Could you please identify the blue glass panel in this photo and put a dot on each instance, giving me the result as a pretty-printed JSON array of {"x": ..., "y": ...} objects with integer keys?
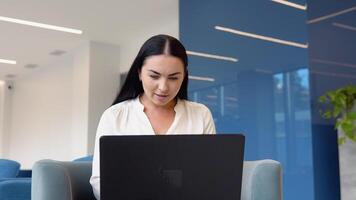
[
  {"x": 266, "y": 94},
  {"x": 332, "y": 39}
]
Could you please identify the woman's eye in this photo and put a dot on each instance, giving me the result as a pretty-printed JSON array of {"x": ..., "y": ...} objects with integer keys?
[
  {"x": 154, "y": 76},
  {"x": 173, "y": 78}
]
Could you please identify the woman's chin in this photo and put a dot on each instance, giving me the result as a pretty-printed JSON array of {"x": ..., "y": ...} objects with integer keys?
[{"x": 163, "y": 102}]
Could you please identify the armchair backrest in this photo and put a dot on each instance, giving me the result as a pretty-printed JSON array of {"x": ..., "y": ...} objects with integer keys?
[
  {"x": 262, "y": 179},
  {"x": 58, "y": 180},
  {"x": 9, "y": 168}
]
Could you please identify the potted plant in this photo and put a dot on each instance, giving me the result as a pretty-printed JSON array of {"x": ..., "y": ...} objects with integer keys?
[{"x": 341, "y": 107}]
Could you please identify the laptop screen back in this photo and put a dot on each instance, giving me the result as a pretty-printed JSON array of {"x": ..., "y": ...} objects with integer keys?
[{"x": 175, "y": 167}]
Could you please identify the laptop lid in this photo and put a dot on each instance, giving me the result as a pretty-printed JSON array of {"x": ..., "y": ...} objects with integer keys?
[{"x": 174, "y": 167}]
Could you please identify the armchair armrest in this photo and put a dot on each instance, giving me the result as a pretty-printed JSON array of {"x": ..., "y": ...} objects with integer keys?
[
  {"x": 58, "y": 180},
  {"x": 261, "y": 180}
]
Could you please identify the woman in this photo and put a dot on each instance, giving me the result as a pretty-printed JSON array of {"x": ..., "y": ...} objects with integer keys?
[{"x": 153, "y": 99}]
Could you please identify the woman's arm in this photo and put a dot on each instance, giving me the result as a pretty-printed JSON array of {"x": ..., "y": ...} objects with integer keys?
[
  {"x": 209, "y": 125},
  {"x": 105, "y": 127}
]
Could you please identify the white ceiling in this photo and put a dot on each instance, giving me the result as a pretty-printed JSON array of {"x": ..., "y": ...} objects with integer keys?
[{"x": 110, "y": 21}]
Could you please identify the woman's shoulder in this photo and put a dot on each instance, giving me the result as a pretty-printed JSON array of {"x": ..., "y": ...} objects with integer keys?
[
  {"x": 195, "y": 106},
  {"x": 121, "y": 107}
]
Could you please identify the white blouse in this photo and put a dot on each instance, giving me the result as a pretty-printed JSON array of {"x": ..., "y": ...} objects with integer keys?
[{"x": 128, "y": 118}]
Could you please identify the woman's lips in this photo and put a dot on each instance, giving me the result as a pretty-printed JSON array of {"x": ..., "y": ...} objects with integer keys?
[{"x": 161, "y": 97}]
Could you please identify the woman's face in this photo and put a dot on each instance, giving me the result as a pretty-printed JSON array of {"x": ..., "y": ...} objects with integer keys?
[{"x": 162, "y": 77}]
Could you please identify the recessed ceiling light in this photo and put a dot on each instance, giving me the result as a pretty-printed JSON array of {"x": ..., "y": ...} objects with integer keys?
[
  {"x": 200, "y": 78},
  {"x": 331, "y": 15},
  {"x": 194, "y": 53},
  {"x": 31, "y": 66},
  {"x": 291, "y": 4},
  {"x": 12, "y": 62},
  {"x": 40, "y": 25},
  {"x": 261, "y": 37},
  {"x": 10, "y": 76},
  {"x": 57, "y": 52}
]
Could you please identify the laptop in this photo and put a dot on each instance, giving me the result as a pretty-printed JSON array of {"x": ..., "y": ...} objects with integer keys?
[{"x": 174, "y": 167}]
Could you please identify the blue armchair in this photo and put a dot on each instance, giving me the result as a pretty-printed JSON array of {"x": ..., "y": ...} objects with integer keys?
[
  {"x": 15, "y": 184},
  {"x": 57, "y": 180}
]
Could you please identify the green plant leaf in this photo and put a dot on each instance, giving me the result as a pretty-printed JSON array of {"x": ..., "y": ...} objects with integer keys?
[
  {"x": 341, "y": 140},
  {"x": 352, "y": 89},
  {"x": 342, "y": 100},
  {"x": 322, "y": 99},
  {"x": 337, "y": 111},
  {"x": 339, "y": 104},
  {"x": 353, "y": 138},
  {"x": 348, "y": 130},
  {"x": 347, "y": 127},
  {"x": 351, "y": 116},
  {"x": 331, "y": 95},
  {"x": 338, "y": 124},
  {"x": 327, "y": 114}
]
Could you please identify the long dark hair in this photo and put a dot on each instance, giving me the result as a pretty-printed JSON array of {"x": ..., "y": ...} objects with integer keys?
[{"x": 156, "y": 45}]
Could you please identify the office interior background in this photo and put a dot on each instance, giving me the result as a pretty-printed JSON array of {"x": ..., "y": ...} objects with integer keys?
[{"x": 259, "y": 65}]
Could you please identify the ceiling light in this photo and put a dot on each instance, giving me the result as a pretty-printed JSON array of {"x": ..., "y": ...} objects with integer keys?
[
  {"x": 231, "y": 98},
  {"x": 263, "y": 71},
  {"x": 294, "y": 5},
  {"x": 328, "y": 62},
  {"x": 194, "y": 53},
  {"x": 344, "y": 26},
  {"x": 200, "y": 78},
  {"x": 211, "y": 96},
  {"x": 40, "y": 25},
  {"x": 261, "y": 37},
  {"x": 331, "y": 15},
  {"x": 333, "y": 74},
  {"x": 12, "y": 62}
]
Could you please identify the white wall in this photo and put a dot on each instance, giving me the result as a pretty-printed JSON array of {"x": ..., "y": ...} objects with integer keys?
[
  {"x": 103, "y": 84},
  {"x": 79, "y": 100},
  {"x": 2, "y": 112},
  {"x": 5, "y": 115},
  {"x": 132, "y": 46},
  {"x": 55, "y": 111},
  {"x": 41, "y": 115}
]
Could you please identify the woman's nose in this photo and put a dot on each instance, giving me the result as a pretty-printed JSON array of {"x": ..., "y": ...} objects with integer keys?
[{"x": 163, "y": 85}]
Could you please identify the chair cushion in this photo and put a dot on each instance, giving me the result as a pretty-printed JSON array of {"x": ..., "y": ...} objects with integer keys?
[{"x": 15, "y": 189}]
